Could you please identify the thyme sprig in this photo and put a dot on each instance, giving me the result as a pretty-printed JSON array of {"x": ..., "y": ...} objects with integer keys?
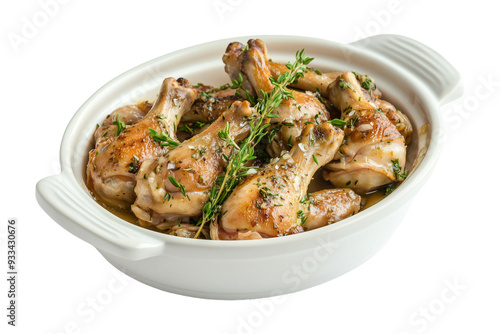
[
  {"x": 236, "y": 168},
  {"x": 163, "y": 139}
]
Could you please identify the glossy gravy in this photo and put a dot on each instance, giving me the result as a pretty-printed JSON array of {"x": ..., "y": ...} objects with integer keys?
[{"x": 367, "y": 201}]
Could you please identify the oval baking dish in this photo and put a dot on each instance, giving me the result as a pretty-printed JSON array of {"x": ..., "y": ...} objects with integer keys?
[{"x": 413, "y": 77}]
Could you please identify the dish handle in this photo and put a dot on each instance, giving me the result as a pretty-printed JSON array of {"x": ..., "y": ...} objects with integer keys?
[
  {"x": 71, "y": 207},
  {"x": 435, "y": 72}
]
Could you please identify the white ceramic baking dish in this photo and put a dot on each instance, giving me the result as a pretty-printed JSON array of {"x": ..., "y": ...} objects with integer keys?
[{"x": 412, "y": 76}]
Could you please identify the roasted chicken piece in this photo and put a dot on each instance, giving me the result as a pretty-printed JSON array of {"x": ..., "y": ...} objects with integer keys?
[
  {"x": 374, "y": 152},
  {"x": 208, "y": 109},
  {"x": 358, "y": 92},
  {"x": 328, "y": 206},
  {"x": 293, "y": 114},
  {"x": 400, "y": 120},
  {"x": 204, "y": 111},
  {"x": 346, "y": 93},
  {"x": 129, "y": 114},
  {"x": 311, "y": 81},
  {"x": 175, "y": 186},
  {"x": 232, "y": 66},
  {"x": 120, "y": 148},
  {"x": 209, "y": 105},
  {"x": 267, "y": 204}
]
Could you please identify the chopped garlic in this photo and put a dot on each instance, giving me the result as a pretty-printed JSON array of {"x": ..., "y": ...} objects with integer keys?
[
  {"x": 352, "y": 195},
  {"x": 365, "y": 127},
  {"x": 251, "y": 171}
]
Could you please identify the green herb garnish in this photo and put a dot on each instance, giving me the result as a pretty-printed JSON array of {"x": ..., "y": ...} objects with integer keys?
[
  {"x": 120, "y": 126},
  {"x": 345, "y": 85},
  {"x": 337, "y": 122},
  {"x": 186, "y": 128},
  {"x": 163, "y": 139},
  {"x": 133, "y": 167},
  {"x": 239, "y": 156},
  {"x": 302, "y": 216},
  {"x": 389, "y": 189},
  {"x": 176, "y": 184}
]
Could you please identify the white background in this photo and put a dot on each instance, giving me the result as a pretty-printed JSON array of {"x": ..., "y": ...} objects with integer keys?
[{"x": 450, "y": 236}]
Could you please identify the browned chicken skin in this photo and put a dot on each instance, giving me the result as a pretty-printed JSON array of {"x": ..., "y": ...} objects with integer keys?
[
  {"x": 267, "y": 203},
  {"x": 116, "y": 158}
]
